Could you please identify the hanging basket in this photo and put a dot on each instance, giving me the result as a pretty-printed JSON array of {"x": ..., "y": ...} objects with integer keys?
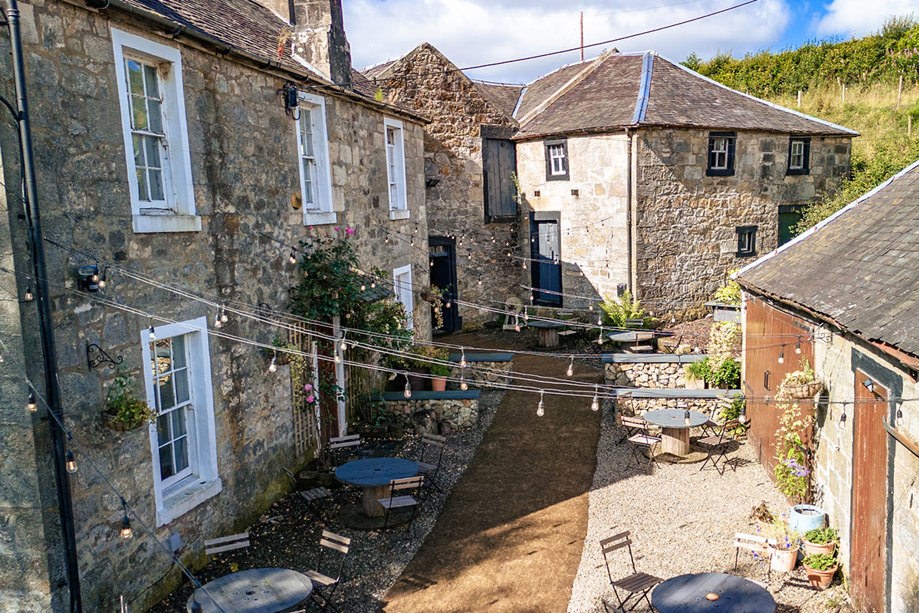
[
  {"x": 805, "y": 390},
  {"x": 113, "y": 423}
]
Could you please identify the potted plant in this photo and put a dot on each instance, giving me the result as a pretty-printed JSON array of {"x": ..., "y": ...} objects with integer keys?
[
  {"x": 123, "y": 411},
  {"x": 820, "y": 540},
  {"x": 802, "y": 383},
  {"x": 440, "y": 372},
  {"x": 786, "y": 546},
  {"x": 763, "y": 517},
  {"x": 820, "y": 568}
]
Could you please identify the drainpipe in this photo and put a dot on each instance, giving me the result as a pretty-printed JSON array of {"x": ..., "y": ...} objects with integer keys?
[
  {"x": 628, "y": 206},
  {"x": 632, "y": 211},
  {"x": 42, "y": 298}
]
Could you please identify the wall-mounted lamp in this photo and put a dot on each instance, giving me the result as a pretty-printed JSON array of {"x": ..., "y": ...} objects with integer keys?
[
  {"x": 291, "y": 101},
  {"x": 88, "y": 278},
  {"x": 869, "y": 385},
  {"x": 899, "y": 414}
]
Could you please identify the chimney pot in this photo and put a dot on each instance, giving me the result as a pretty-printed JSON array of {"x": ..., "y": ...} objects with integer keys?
[{"x": 319, "y": 39}]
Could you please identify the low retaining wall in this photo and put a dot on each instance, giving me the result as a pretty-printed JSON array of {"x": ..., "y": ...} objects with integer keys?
[
  {"x": 482, "y": 367},
  {"x": 640, "y": 405},
  {"x": 648, "y": 370},
  {"x": 437, "y": 412}
]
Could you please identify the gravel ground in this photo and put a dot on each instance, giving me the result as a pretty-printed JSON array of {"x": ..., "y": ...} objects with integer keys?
[
  {"x": 284, "y": 538},
  {"x": 682, "y": 521}
]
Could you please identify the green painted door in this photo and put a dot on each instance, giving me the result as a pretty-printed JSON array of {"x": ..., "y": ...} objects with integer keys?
[{"x": 787, "y": 221}]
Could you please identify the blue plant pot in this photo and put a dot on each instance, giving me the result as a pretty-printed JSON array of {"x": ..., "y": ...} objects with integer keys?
[{"x": 805, "y": 517}]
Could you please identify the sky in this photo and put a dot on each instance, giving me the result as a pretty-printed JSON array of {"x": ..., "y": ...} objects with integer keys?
[{"x": 471, "y": 32}]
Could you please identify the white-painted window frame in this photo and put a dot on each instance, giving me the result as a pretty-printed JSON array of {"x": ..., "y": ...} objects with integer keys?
[
  {"x": 174, "y": 499},
  {"x": 176, "y": 213},
  {"x": 719, "y": 152},
  {"x": 799, "y": 144},
  {"x": 321, "y": 212},
  {"x": 395, "y": 169},
  {"x": 404, "y": 293},
  {"x": 558, "y": 159}
]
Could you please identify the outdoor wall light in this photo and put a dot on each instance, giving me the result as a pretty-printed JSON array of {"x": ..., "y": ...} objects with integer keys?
[
  {"x": 291, "y": 101},
  {"x": 869, "y": 385},
  {"x": 88, "y": 278}
]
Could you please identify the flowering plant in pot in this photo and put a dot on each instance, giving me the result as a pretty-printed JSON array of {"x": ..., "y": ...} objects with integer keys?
[
  {"x": 763, "y": 516},
  {"x": 820, "y": 568},
  {"x": 785, "y": 548},
  {"x": 820, "y": 540}
]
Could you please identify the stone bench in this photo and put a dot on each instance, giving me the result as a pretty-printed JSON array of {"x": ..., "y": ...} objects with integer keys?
[
  {"x": 652, "y": 370},
  {"x": 483, "y": 366},
  {"x": 437, "y": 412}
]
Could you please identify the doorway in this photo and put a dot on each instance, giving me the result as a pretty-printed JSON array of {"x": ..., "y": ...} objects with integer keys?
[
  {"x": 868, "y": 559},
  {"x": 545, "y": 254},
  {"x": 443, "y": 276}
]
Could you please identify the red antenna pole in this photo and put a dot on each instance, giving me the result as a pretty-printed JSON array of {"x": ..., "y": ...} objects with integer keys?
[{"x": 582, "y": 36}]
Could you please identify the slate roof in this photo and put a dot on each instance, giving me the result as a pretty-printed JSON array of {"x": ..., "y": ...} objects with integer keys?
[
  {"x": 504, "y": 97},
  {"x": 859, "y": 268},
  {"x": 543, "y": 87}
]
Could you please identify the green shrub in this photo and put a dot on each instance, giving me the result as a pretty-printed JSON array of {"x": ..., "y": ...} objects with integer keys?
[
  {"x": 617, "y": 311},
  {"x": 727, "y": 375}
]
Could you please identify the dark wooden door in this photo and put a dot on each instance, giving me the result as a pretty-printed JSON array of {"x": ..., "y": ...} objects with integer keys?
[
  {"x": 443, "y": 276},
  {"x": 869, "y": 496},
  {"x": 546, "y": 262},
  {"x": 499, "y": 163}
]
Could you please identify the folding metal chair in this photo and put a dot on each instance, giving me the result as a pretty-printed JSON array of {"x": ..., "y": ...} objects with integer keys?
[
  {"x": 431, "y": 445},
  {"x": 338, "y": 445},
  {"x": 226, "y": 543},
  {"x": 324, "y": 584},
  {"x": 636, "y": 585},
  {"x": 632, "y": 426},
  {"x": 409, "y": 488},
  {"x": 710, "y": 427},
  {"x": 758, "y": 546},
  {"x": 310, "y": 497},
  {"x": 717, "y": 445},
  {"x": 640, "y": 442}
]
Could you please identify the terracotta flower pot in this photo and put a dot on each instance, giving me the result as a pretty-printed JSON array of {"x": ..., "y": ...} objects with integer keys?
[
  {"x": 820, "y": 579},
  {"x": 439, "y": 384},
  {"x": 784, "y": 560},
  {"x": 814, "y": 548}
]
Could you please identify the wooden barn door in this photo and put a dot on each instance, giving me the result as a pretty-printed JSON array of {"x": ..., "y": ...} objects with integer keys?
[{"x": 869, "y": 496}]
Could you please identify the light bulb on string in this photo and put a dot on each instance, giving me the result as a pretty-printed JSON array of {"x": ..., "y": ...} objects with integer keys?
[
  {"x": 899, "y": 414},
  {"x": 595, "y": 404},
  {"x": 524, "y": 265},
  {"x": 126, "y": 532},
  {"x": 448, "y": 305},
  {"x": 570, "y": 367},
  {"x": 463, "y": 384},
  {"x": 337, "y": 356},
  {"x": 782, "y": 355},
  {"x": 344, "y": 343},
  {"x": 600, "y": 338},
  {"x": 71, "y": 462},
  {"x": 103, "y": 279},
  {"x": 526, "y": 316},
  {"x": 540, "y": 408},
  {"x": 672, "y": 318},
  {"x": 842, "y": 418},
  {"x": 274, "y": 363},
  {"x": 224, "y": 317},
  {"x": 31, "y": 405},
  {"x": 462, "y": 357},
  {"x": 798, "y": 347},
  {"x": 152, "y": 333},
  {"x": 218, "y": 322},
  {"x": 292, "y": 257},
  {"x": 28, "y": 295},
  {"x": 408, "y": 388}
]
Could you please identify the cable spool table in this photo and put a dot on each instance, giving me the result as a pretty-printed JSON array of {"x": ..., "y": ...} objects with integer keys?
[
  {"x": 257, "y": 590},
  {"x": 675, "y": 428},
  {"x": 374, "y": 475},
  {"x": 711, "y": 593}
]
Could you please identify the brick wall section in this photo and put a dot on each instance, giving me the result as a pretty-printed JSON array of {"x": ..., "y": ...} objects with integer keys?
[
  {"x": 453, "y": 155},
  {"x": 244, "y": 165},
  {"x": 686, "y": 221},
  {"x": 593, "y": 232}
]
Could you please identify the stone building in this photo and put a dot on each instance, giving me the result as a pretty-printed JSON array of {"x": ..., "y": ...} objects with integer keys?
[
  {"x": 842, "y": 297},
  {"x": 184, "y": 149},
  {"x": 632, "y": 172}
]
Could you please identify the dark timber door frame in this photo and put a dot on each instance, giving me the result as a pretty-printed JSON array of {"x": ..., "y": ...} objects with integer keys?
[
  {"x": 869, "y": 518},
  {"x": 499, "y": 163},
  {"x": 443, "y": 275},
  {"x": 546, "y": 257}
]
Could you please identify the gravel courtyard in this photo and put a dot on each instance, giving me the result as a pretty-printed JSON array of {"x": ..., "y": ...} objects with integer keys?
[{"x": 682, "y": 521}]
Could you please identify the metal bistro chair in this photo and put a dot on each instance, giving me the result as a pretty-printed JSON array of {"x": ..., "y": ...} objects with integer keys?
[
  {"x": 226, "y": 543},
  {"x": 339, "y": 445},
  {"x": 324, "y": 584},
  {"x": 409, "y": 487},
  {"x": 637, "y": 585},
  {"x": 431, "y": 444},
  {"x": 717, "y": 445},
  {"x": 641, "y": 441},
  {"x": 310, "y": 497},
  {"x": 758, "y": 546}
]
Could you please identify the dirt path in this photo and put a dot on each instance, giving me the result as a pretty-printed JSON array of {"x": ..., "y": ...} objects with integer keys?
[{"x": 511, "y": 533}]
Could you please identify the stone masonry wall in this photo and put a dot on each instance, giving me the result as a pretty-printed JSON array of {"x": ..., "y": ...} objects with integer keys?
[
  {"x": 593, "y": 223},
  {"x": 665, "y": 374},
  {"x": 686, "y": 221},
  {"x": 244, "y": 165},
  {"x": 482, "y": 372},
  {"x": 460, "y": 414},
  {"x": 835, "y": 362},
  {"x": 638, "y": 406},
  {"x": 427, "y": 82}
]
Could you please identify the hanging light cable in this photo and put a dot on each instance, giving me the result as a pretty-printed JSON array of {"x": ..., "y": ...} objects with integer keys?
[{"x": 152, "y": 333}]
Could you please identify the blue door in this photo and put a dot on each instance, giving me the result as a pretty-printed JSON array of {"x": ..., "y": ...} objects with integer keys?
[{"x": 547, "y": 268}]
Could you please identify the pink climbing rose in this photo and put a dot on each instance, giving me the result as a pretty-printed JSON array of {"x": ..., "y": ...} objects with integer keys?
[
  {"x": 349, "y": 230},
  {"x": 310, "y": 398},
  {"x": 307, "y": 387}
]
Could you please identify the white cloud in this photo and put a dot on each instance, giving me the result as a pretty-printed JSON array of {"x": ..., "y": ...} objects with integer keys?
[
  {"x": 858, "y": 18},
  {"x": 471, "y": 32}
]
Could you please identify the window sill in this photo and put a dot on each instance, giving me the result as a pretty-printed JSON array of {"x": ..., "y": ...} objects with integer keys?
[
  {"x": 149, "y": 224},
  {"x": 319, "y": 218},
  {"x": 719, "y": 172},
  {"x": 399, "y": 213},
  {"x": 180, "y": 501}
]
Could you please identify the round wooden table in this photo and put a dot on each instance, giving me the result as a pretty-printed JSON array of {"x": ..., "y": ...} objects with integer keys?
[
  {"x": 258, "y": 590},
  {"x": 374, "y": 475},
  {"x": 674, "y": 428},
  {"x": 547, "y": 332},
  {"x": 687, "y": 594}
]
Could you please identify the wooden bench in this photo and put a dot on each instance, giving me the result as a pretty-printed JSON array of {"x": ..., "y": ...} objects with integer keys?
[{"x": 226, "y": 543}]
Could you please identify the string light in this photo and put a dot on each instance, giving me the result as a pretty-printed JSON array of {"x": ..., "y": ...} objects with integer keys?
[
  {"x": 29, "y": 292},
  {"x": 337, "y": 357},
  {"x": 292, "y": 257},
  {"x": 842, "y": 418},
  {"x": 595, "y": 404},
  {"x": 463, "y": 358},
  {"x": 152, "y": 333},
  {"x": 344, "y": 344},
  {"x": 408, "y": 387},
  {"x": 899, "y": 413},
  {"x": 126, "y": 531},
  {"x": 274, "y": 363},
  {"x": 218, "y": 322},
  {"x": 540, "y": 408},
  {"x": 600, "y": 338},
  {"x": 463, "y": 385},
  {"x": 570, "y": 370},
  {"x": 798, "y": 347},
  {"x": 223, "y": 315},
  {"x": 71, "y": 462},
  {"x": 782, "y": 355},
  {"x": 31, "y": 404}
]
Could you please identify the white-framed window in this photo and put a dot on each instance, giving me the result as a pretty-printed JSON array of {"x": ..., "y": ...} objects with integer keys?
[
  {"x": 402, "y": 287},
  {"x": 395, "y": 168},
  {"x": 796, "y": 157},
  {"x": 719, "y": 153},
  {"x": 149, "y": 79},
  {"x": 183, "y": 443},
  {"x": 315, "y": 172},
  {"x": 557, "y": 159}
]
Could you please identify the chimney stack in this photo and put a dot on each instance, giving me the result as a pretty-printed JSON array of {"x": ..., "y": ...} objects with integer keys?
[
  {"x": 283, "y": 8},
  {"x": 319, "y": 39}
]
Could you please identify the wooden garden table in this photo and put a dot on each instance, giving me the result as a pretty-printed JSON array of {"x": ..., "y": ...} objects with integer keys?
[
  {"x": 687, "y": 594},
  {"x": 258, "y": 590},
  {"x": 674, "y": 428},
  {"x": 548, "y": 332},
  {"x": 374, "y": 475}
]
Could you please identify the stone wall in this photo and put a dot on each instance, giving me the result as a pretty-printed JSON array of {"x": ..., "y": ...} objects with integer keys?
[
  {"x": 686, "y": 221},
  {"x": 592, "y": 209},
  {"x": 458, "y": 413},
  {"x": 244, "y": 166},
  {"x": 836, "y": 360},
  {"x": 482, "y": 372},
  {"x": 429, "y": 83},
  {"x": 638, "y": 406},
  {"x": 660, "y": 375}
]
